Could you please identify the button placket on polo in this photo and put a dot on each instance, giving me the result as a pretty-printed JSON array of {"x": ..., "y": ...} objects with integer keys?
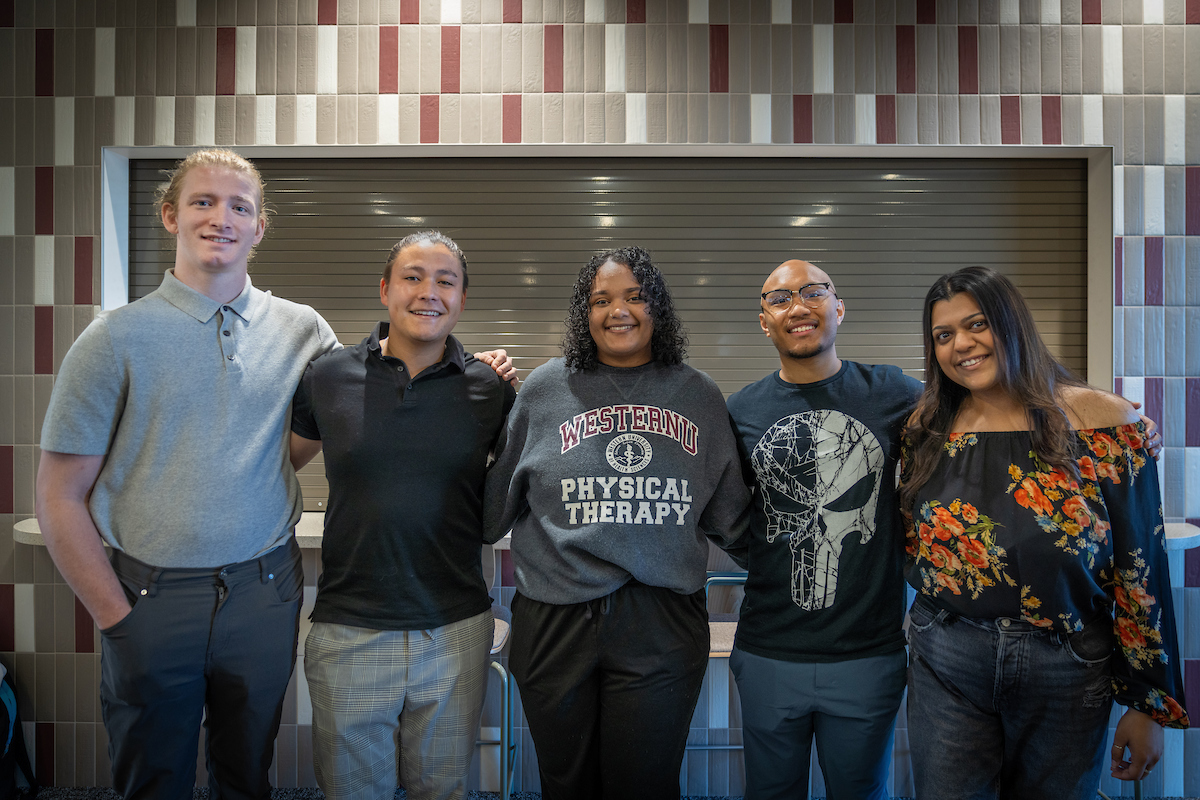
[{"x": 227, "y": 340}]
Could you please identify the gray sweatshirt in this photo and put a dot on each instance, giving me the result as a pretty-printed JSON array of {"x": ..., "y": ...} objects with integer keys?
[{"x": 614, "y": 474}]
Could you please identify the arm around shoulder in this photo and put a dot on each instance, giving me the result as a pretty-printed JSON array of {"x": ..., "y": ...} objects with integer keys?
[{"x": 1089, "y": 408}]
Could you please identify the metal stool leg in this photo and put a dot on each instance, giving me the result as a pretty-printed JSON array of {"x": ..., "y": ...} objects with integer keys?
[{"x": 508, "y": 750}]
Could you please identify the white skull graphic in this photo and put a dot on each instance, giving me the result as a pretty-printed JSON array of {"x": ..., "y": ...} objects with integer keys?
[{"x": 819, "y": 472}]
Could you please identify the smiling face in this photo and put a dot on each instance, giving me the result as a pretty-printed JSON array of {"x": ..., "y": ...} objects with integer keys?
[
  {"x": 618, "y": 318},
  {"x": 798, "y": 332},
  {"x": 424, "y": 294},
  {"x": 963, "y": 344},
  {"x": 216, "y": 223}
]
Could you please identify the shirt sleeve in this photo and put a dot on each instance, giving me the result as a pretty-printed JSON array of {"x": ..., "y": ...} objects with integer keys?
[
  {"x": 1146, "y": 671},
  {"x": 504, "y": 497},
  {"x": 304, "y": 420},
  {"x": 726, "y": 517},
  {"x": 88, "y": 398}
]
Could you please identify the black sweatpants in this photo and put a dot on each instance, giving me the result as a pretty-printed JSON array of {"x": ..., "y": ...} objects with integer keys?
[
  {"x": 221, "y": 640},
  {"x": 609, "y": 687}
]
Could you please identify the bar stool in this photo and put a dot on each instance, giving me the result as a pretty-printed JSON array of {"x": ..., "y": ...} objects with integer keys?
[{"x": 501, "y": 627}]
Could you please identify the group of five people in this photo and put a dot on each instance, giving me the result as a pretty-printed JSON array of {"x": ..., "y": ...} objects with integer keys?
[{"x": 1027, "y": 505}]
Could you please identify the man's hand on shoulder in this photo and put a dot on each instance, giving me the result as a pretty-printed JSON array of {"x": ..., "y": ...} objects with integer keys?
[{"x": 500, "y": 361}]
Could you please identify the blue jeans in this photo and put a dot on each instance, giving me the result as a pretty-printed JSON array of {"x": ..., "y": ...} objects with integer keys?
[
  {"x": 1002, "y": 708},
  {"x": 849, "y": 706}
]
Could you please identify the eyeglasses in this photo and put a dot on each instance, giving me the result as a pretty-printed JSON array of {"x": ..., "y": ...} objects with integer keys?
[{"x": 812, "y": 295}]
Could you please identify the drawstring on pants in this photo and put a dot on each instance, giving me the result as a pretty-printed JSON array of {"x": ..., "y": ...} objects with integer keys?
[{"x": 605, "y": 606}]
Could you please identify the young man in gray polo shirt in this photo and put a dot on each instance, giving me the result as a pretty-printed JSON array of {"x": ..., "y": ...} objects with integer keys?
[{"x": 166, "y": 439}]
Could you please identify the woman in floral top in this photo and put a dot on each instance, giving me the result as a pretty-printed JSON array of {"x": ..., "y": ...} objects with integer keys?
[{"x": 1035, "y": 543}]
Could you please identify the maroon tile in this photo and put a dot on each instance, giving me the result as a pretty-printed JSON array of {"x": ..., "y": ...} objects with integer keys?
[
  {"x": 1154, "y": 271},
  {"x": 1152, "y": 406},
  {"x": 389, "y": 59},
  {"x": 926, "y": 12},
  {"x": 1191, "y": 685},
  {"x": 1010, "y": 119},
  {"x": 430, "y": 119},
  {"x": 1192, "y": 184},
  {"x": 1091, "y": 12},
  {"x": 226, "y": 60},
  {"x": 83, "y": 270},
  {"x": 635, "y": 11},
  {"x": 512, "y": 11},
  {"x": 43, "y": 340},
  {"x": 552, "y": 58},
  {"x": 968, "y": 59},
  {"x": 1119, "y": 386},
  {"x": 451, "y": 52},
  {"x": 43, "y": 738},
  {"x": 410, "y": 12},
  {"x": 1191, "y": 566},
  {"x": 326, "y": 12},
  {"x": 1118, "y": 272},
  {"x": 1051, "y": 119},
  {"x": 43, "y": 62},
  {"x": 843, "y": 11},
  {"x": 43, "y": 200},
  {"x": 802, "y": 118},
  {"x": 8, "y": 613},
  {"x": 718, "y": 58},
  {"x": 508, "y": 574},
  {"x": 85, "y": 629},
  {"x": 906, "y": 59},
  {"x": 511, "y": 118},
  {"x": 8, "y": 13},
  {"x": 885, "y": 118},
  {"x": 6, "y": 482},
  {"x": 1192, "y": 393},
  {"x": 1193, "y": 12}
]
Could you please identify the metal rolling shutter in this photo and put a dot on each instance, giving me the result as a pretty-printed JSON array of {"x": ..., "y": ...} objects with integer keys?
[{"x": 883, "y": 228}]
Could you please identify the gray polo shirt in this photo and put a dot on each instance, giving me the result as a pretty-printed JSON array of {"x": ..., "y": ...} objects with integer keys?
[{"x": 190, "y": 400}]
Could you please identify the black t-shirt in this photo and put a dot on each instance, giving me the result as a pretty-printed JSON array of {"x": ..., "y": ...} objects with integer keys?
[
  {"x": 825, "y": 550},
  {"x": 406, "y": 460}
]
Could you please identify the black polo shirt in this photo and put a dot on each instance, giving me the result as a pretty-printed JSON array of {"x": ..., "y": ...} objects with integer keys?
[{"x": 406, "y": 460}]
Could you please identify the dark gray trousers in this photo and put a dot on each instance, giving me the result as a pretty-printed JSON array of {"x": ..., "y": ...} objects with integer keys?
[{"x": 220, "y": 640}]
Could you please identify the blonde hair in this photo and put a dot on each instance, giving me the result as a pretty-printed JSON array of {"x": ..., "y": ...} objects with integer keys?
[{"x": 168, "y": 193}]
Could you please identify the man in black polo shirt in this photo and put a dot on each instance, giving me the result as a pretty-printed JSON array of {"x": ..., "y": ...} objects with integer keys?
[{"x": 396, "y": 660}]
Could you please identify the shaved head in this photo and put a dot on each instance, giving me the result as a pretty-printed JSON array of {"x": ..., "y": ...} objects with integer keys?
[{"x": 796, "y": 273}]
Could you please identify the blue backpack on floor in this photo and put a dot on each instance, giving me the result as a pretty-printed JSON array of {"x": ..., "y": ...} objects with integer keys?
[{"x": 13, "y": 755}]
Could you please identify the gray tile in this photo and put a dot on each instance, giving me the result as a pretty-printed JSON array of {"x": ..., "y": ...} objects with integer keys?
[
  {"x": 1192, "y": 47},
  {"x": 23, "y": 61},
  {"x": 593, "y": 59},
  {"x": 802, "y": 63},
  {"x": 184, "y": 53},
  {"x": 781, "y": 59},
  {"x": 1174, "y": 427},
  {"x": 1133, "y": 12},
  {"x": 1133, "y": 146},
  {"x": 1031, "y": 59},
  {"x": 739, "y": 118},
  {"x": 843, "y": 59},
  {"x": 698, "y": 117},
  {"x": 1175, "y": 201},
  {"x": 125, "y": 63},
  {"x": 1118, "y": 341},
  {"x": 677, "y": 118},
  {"x": 927, "y": 119},
  {"x": 614, "y": 117},
  {"x": 43, "y": 125},
  {"x": 968, "y": 12},
  {"x": 64, "y": 643},
  {"x": 906, "y": 119},
  {"x": 885, "y": 12},
  {"x": 927, "y": 58},
  {"x": 885, "y": 59},
  {"x": 656, "y": 117},
  {"x": 739, "y": 59},
  {"x": 1175, "y": 341},
  {"x": 206, "y": 60},
  {"x": 1175, "y": 54},
  {"x": 1114, "y": 125},
  {"x": 1112, "y": 12},
  {"x": 227, "y": 12},
  {"x": 1153, "y": 75},
  {"x": 947, "y": 44},
  {"x": 1072, "y": 119},
  {"x": 368, "y": 118},
  {"x": 1010, "y": 59},
  {"x": 265, "y": 60},
  {"x": 145, "y": 60},
  {"x": 470, "y": 69},
  {"x": 43, "y": 638},
  {"x": 1131, "y": 43},
  {"x": 1052, "y": 59},
  {"x": 948, "y": 119},
  {"x": 573, "y": 128},
  {"x": 1174, "y": 12},
  {"x": 1191, "y": 144},
  {"x": 1135, "y": 346},
  {"x": 1172, "y": 489},
  {"x": 1191, "y": 319},
  {"x": 947, "y": 13},
  {"x": 327, "y": 119},
  {"x": 781, "y": 119},
  {"x": 718, "y": 118},
  {"x": 1191, "y": 260},
  {"x": 64, "y": 211},
  {"x": 64, "y": 62},
  {"x": 552, "y": 118},
  {"x": 656, "y": 58},
  {"x": 635, "y": 61},
  {"x": 697, "y": 55},
  {"x": 491, "y": 60},
  {"x": 347, "y": 119},
  {"x": 1135, "y": 215},
  {"x": 760, "y": 58},
  {"x": 1134, "y": 269},
  {"x": 989, "y": 59},
  {"x": 1029, "y": 12},
  {"x": 1174, "y": 271},
  {"x": 1093, "y": 63},
  {"x": 347, "y": 58},
  {"x": 305, "y": 57},
  {"x": 823, "y": 120},
  {"x": 143, "y": 120},
  {"x": 1071, "y": 59},
  {"x": 843, "y": 118},
  {"x": 368, "y": 61},
  {"x": 285, "y": 119},
  {"x": 1153, "y": 137},
  {"x": 1153, "y": 332}
]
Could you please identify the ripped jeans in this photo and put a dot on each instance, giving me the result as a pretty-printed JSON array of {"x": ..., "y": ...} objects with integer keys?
[{"x": 1003, "y": 709}]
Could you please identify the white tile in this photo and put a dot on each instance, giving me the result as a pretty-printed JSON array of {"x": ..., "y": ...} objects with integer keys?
[
  {"x": 1010, "y": 12},
  {"x": 1119, "y": 200},
  {"x": 327, "y": 58},
  {"x": 635, "y": 118},
  {"x": 206, "y": 119},
  {"x": 185, "y": 13},
  {"x": 1191, "y": 482},
  {"x": 822, "y": 59},
  {"x": 1051, "y": 12},
  {"x": 410, "y": 118},
  {"x": 8, "y": 190},
  {"x": 716, "y": 686},
  {"x": 123, "y": 121},
  {"x": 23, "y": 617},
  {"x": 1152, "y": 14},
  {"x": 245, "y": 70},
  {"x": 1093, "y": 119},
  {"x": 614, "y": 58},
  {"x": 43, "y": 270},
  {"x": 64, "y": 131},
  {"x": 451, "y": 12},
  {"x": 1154, "y": 200},
  {"x": 164, "y": 120},
  {"x": 698, "y": 12},
  {"x": 389, "y": 119},
  {"x": 781, "y": 12},
  {"x": 864, "y": 119},
  {"x": 593, "y": 11},
  {"x": 760, "y": 118},
  {"x": 1174, "y": 128},
  {"x": 106, "y": 62},
  {"x": 264, "y": 119},
  {"x": 1113, "y": 58},
  {"x": 306, "y": 119},
  {"x": 1134, "y": 390}
]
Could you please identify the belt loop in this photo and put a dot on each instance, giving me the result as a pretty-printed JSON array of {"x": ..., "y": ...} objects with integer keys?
[
  {"x": 152, "y": 583},
  {"x": 265, "y": 573}
]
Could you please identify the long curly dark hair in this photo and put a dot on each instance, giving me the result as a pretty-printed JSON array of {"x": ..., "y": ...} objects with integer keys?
[{"x": 668, "y": 342}]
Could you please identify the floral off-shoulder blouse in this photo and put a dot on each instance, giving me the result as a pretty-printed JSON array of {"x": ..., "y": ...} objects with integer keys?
[{"x": 997, "y": 532}]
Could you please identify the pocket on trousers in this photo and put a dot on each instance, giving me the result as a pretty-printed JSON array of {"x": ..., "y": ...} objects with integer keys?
[
  {"x": 921, "y": 617},
  {"x": 289, "y": 580},
  {"x": 1093, "y": 645},
  {"x": 133, "y": 593}
]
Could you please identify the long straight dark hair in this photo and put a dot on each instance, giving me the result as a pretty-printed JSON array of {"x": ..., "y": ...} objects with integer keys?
[{"x": 1025, "y": 367}]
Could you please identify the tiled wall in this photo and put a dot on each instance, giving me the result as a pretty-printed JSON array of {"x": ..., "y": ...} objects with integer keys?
[{"x": 76, "y": 75}]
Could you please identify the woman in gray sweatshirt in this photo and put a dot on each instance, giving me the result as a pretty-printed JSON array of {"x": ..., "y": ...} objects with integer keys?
[{"x": 617, "y": 462}]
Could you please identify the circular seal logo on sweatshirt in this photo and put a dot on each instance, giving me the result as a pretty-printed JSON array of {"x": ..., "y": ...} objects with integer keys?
[{"x": 629, "y": 453}]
